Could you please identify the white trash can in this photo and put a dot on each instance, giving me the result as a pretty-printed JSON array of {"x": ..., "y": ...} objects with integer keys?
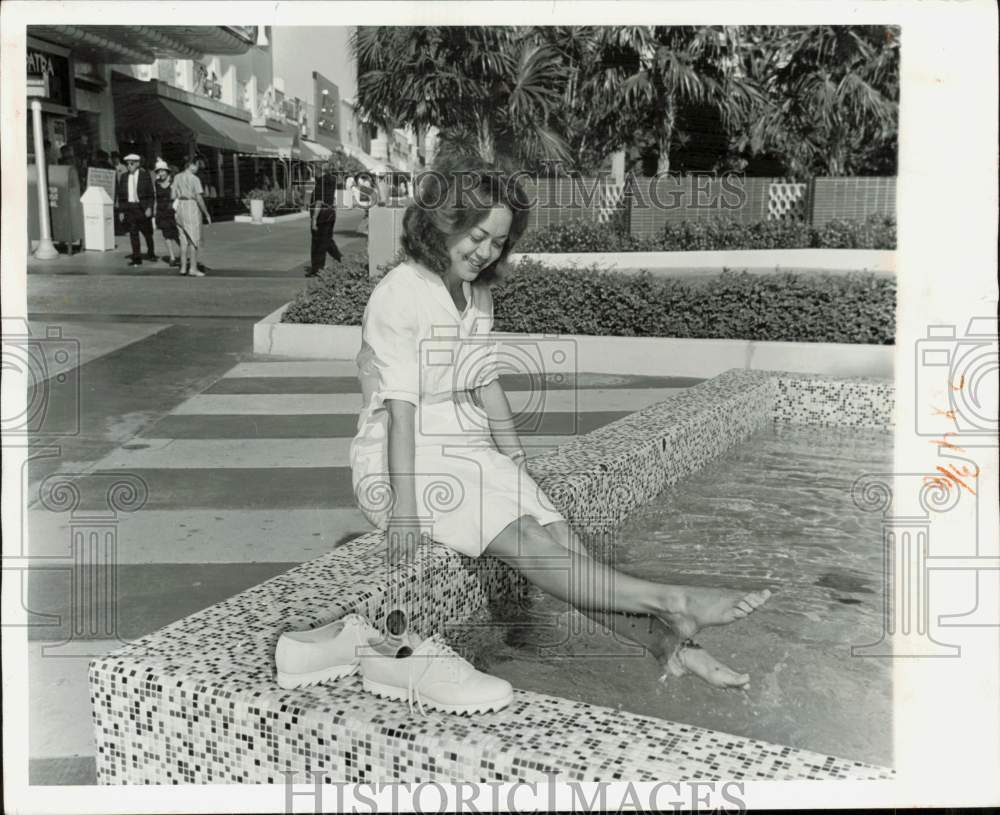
[
  {"x": 98, "y": 220},
  {"x": 256, "y": 210}
]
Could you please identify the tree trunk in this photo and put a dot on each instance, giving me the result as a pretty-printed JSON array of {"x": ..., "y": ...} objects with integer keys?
[
  {"x": 666, "y": 137},
  {"x": 663, "y": 162},
  {"x": 487, "y": 145}
]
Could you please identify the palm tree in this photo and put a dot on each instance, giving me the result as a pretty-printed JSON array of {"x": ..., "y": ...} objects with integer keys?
[
  {"x": 832, "y": 97},
  {"x": 493, "y": 87},
  {"x": 639, "y": 78}
]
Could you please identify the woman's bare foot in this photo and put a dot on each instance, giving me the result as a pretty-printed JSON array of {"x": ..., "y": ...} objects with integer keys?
[
  {"x": 691, "y": 608},
  {"x": 692, "y": 658}
]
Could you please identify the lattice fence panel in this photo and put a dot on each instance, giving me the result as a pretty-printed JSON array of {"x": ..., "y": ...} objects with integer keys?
[{"x": 786, "y": 200}]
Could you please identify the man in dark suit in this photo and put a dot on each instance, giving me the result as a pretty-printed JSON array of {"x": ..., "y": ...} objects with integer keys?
[
  {"x": 136, "y": 197},
  {"x": 322, "y": 217}
]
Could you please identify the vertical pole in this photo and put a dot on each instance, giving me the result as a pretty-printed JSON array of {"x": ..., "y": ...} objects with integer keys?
[
  {"x": 220, "y": 161},
  {"x": 236, "y": 176},
  {"x": 46, "y": 250}
]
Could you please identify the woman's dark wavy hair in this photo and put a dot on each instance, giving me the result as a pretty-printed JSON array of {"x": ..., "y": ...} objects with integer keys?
[{"x": 452, "y": 198}]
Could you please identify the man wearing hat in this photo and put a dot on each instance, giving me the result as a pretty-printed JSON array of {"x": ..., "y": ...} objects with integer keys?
[{"x": 136, "y": 198}]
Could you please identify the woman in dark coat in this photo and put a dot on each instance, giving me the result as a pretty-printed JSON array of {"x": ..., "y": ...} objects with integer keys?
[{"x": 163, "y": 214}]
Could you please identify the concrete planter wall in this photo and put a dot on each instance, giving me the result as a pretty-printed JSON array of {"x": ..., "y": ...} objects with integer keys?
[
  {"x": 682, "y": 264},
  {"x": 649, "y": 356},
  {"x": 270, "y": 219}
]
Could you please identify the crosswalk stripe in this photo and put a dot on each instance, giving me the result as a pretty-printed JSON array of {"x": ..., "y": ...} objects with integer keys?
[
  {"x": 293, "y": 368},
  {"x": 237, "y": 453},
  {"x": 216, "y": 535},
  {"x": 345, "y": 425},
  {"x": 232, "y": 488},
  {"x": 601, "y": 399}
]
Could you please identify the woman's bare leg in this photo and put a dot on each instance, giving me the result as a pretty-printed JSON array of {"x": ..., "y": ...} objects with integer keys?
[
  {"x": 653, "y": 634},
  {"x": 590, "y": 585},
  {"x": 184, "y": 256}
]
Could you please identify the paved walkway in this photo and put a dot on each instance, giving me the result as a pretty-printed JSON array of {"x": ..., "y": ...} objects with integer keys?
[
  {"x": 231, "y": 250},
  {"x": 247, "y": 477}
]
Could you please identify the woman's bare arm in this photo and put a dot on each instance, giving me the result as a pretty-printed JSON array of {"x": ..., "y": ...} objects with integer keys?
[
  {"x": 404, "y": 526},
  {"x": 201, "y": 205},
  {"x": 494, "y": 401}
]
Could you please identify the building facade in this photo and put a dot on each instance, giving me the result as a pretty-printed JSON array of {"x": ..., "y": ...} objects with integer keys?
[
  {"x": 330, "y": 79},
  {"x": 261, "y": 105}
]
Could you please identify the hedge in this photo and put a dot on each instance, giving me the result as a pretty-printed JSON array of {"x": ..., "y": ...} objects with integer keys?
[
  {"x": 276, "y": 201},
  {"x": 781, "y": 307},
  {"x": 877, "y": 232}
]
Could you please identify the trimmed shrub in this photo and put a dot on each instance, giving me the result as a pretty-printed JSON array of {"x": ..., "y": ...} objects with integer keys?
[
  {"x": 276, "y": 202},
  {"x": 859, "y": 307},
  {"x": 580, "y": 236},
  {"x": 334, "y": 297},
  {"x": 877, "y": 232}
]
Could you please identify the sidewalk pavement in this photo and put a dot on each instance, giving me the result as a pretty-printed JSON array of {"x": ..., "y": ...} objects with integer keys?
[{"x": 230, "y": 250}]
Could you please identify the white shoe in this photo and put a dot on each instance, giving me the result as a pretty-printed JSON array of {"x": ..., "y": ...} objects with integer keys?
[
  {"x": 321, "y": 654},
  {"x": 435, "y": 676}
]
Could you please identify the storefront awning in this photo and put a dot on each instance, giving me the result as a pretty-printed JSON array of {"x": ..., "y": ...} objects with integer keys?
[
  {"x": 313, "y": 151},
  {"x": 239, "y": 132},
  {"x": 372, "y": 165},
  {"x": 141, "y": 115},
  {"x": 277, "y": 145}
]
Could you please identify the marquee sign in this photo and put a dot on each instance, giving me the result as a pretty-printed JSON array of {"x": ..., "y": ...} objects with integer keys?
[{"x": 52, "y": 69}]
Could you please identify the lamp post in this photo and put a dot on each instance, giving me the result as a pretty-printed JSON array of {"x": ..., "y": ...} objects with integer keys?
[{"x": 45, "y": 250}]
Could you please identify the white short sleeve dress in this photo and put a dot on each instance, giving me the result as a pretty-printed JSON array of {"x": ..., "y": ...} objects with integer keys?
[{"x": 418, "y": 347}]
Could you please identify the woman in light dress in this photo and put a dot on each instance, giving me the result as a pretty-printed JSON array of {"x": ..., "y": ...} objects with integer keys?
[
  {"x": 189, "y": 204},
  {"x": 437, "y": 455}
]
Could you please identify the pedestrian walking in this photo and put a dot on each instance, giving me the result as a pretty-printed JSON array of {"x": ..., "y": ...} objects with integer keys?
[
  {"x": 119, "y": 166},
  {"x": 163, "y": 212},
  {"x": 120, "y": 170},
  {"x": 322, "y": 218},
  {"x": 136, "y": 199},
  {"x": 101, "y": 161},
  {"x": 189, "y": 207},
  {"x": 365, "y": 195}
]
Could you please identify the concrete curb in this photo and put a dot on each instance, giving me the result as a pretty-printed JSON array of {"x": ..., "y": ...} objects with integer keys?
[
  {"x": 672, "y": 263},
  {"x": 644, "y": 356},
  {"x": 270, "y": 219}
]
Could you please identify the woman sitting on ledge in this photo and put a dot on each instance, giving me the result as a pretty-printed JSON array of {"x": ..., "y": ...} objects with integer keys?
[{"x": 436, "y": 425}]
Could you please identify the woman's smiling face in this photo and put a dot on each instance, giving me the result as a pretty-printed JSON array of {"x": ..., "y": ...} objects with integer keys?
[{"x": 473, "y": 251}]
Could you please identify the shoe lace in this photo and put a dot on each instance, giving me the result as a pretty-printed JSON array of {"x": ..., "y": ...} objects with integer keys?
[
  {"x": 433, "y": 648},
  {"x": 413, "y": 692}
]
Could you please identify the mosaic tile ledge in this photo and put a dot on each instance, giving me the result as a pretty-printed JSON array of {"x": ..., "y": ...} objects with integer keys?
[{"x": 219, "y": 737}]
